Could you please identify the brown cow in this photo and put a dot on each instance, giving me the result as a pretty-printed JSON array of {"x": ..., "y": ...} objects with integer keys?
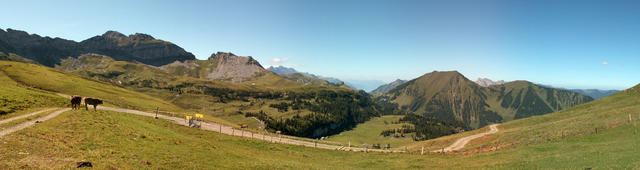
[
  {"x": 75, "y": 102},
  {"x": 91, "y": 101},
  {"x": 244, "y": 126}
]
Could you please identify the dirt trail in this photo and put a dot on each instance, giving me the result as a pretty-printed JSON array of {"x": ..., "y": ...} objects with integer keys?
[
  {"x": 32, "y": 122},
  {"x": 459, "y": 144},
  {"x": 216, "y": 127},
  {"x": 25, "y": 115}
]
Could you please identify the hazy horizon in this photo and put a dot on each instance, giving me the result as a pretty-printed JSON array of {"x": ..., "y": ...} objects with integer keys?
[{"x": 570, "y": 44}]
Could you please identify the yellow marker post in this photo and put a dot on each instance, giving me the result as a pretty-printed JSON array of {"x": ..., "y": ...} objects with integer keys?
[{"x": 199, "y": 116}]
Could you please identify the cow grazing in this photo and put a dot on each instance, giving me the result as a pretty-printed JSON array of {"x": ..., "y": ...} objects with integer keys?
[
  {"x": 244, "y": 126},
  {"x": 75, "y": 102},
  {"x": 91, "y": 101}
]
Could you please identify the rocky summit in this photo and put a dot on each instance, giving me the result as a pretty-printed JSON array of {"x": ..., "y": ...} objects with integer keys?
[
  {"x": 222, "y": 66},
  {"x": 485, "y": 82}
]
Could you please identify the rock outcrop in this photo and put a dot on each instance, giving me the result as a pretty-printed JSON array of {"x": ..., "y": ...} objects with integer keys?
[
  {"x": 485, "y": 82},
  {"x": 219, "y": 66}
]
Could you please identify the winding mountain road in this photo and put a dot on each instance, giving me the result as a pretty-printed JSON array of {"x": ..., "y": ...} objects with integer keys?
[{"x": 459, "y": 144}]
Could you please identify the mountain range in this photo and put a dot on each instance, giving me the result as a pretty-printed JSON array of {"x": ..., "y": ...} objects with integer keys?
[
  {"x": 50, "y": 51},
  {"x": 595, "y": 93},
  {"x": 451, "y": 96},
  {"x": 287, "y": 71},
  {"x": 444, "y": 95}
]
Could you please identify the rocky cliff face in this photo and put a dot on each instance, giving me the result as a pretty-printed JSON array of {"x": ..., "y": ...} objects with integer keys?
[
  {"x": 137, "y": 47},
  {"x": 219, "y": 66},
  {"x": 50, "y": 51}
]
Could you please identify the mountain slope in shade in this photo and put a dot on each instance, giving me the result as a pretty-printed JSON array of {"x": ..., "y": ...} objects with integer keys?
[
  {"x": 485, "y": 82},
  {"x": 388, "y": 87},
  {"x": 50, "y": 51},
  {"x": 219, "y": 66},
  {"x": 451, "y": 96}
]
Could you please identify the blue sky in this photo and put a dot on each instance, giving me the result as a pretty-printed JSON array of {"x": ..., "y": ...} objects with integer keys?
[{"x": 563, "y": 43}]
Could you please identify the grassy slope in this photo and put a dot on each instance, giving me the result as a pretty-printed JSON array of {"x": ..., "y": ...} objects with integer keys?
[
  {"x": 14, "y": 97},
  {"x": 53, "y": 80},
  {"x": 185, "y": 91},
  {"x": 369, "y": 132},
  {"x": 118, "y": 140},
  {"x": 580, "y": 120}
]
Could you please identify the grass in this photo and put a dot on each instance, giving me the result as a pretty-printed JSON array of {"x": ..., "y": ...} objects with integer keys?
[
  {"x": 28, "y": 118},
  {"x": 49, "y": 79},
  {"x": 120, "y": 140},
  {"x": 15, "y": 97},
  {"x": 369, "y": 132}
]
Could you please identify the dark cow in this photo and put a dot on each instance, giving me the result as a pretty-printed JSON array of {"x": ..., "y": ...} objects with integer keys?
[
  {"x": 75, "y": 102},
  {"x": 91, "y": 101},
  {"x": 244, "y": 126}
]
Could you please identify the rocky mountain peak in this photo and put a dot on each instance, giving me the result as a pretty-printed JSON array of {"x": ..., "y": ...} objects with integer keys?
[
  {"x": 485, "y": 82},
  {"x": 114, "y": 35}
]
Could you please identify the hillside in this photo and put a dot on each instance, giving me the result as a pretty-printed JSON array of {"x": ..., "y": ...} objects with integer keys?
[
  {"x": 451, "y": 96},
  {"x": 50, "y": 51},
  {"x": 612, "y": 119},
  {"x": 293, "y": 108}
]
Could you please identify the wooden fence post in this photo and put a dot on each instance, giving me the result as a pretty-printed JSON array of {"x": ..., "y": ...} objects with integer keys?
[
  {"x": 233, "y": 131},
  {"x": 220, "y": 128},
  {"x": 443, "y": 150},
  {"x": 422, "y": 151},
  {"x": 596, "y": 130},
  {"x": 157, "y": 108}
]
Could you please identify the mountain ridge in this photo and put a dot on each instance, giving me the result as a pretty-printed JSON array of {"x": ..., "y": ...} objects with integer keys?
[{"x": 50, "y": 51}]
